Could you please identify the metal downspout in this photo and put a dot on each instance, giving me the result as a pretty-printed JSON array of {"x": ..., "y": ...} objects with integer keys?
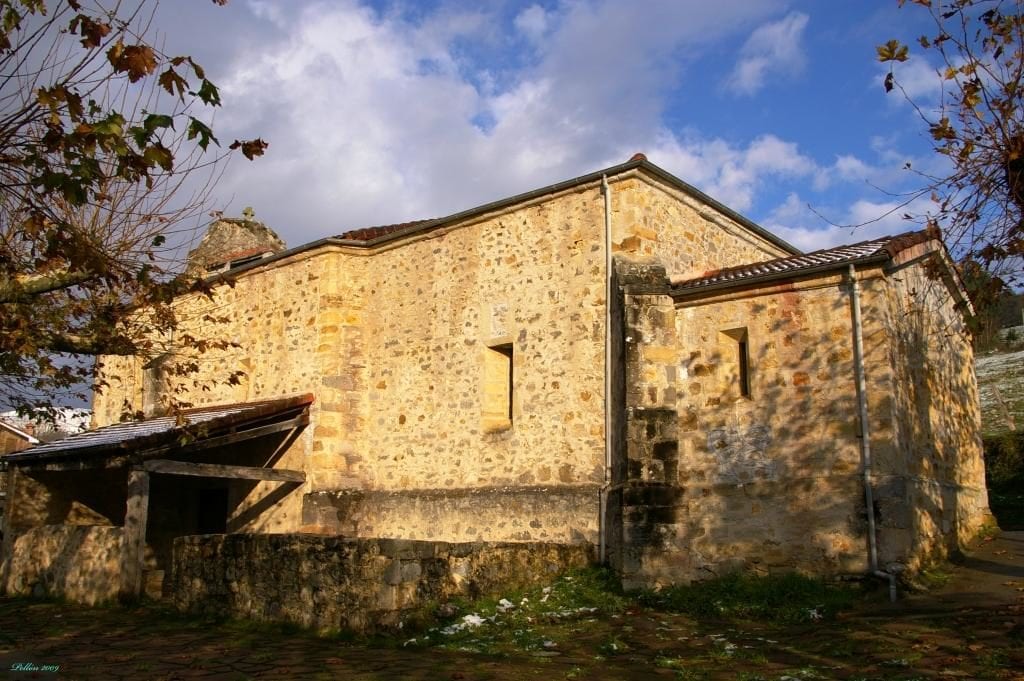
[
  {"x": 602, "y": 523},
  {"x": 865, "y": 431}
]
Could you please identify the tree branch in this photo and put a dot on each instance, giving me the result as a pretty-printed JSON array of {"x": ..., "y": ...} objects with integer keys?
[
  {"x": 19, "y": 288},
  {"x": 83, "y": 344}
]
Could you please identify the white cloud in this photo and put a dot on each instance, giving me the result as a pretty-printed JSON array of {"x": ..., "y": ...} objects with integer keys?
[
  {"x": 774, "y": 48},
  {"x": 920, "y": 80},
  {"x": 810, "y": 228},
  {"x": 732, "y": 174},
  {"x": 852, "y": 168},
  {"x": 532, "y": 22},
  {"x": 378, "y": 117}
]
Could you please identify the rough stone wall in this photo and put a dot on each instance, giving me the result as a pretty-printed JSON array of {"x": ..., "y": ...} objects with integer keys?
[
  {"x": 530, "y": 278},
  {"x": 654, "y": 222},
  {"x": 80, "y": 498},
  {"x": 78, "y": 562},
  {"x": 228, "y": 239},
  {"x": 521, "y": 513},
  {"x": 292, "y": 327},
  {"x": 718, "y": 481},
  {"x": 394, "y": 344},
  {"x": 931, "y": 496},
  {"x": 355, "y": 584}
]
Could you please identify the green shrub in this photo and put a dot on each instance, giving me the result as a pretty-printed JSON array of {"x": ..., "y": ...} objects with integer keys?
[
  {"x": 789, "y": 598},
  {"x": 1004, "y": 461},
  {"x": 1004, "y": 471}
]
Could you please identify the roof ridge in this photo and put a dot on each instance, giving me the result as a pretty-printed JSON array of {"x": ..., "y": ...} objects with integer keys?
[{"x": 369, "y": 237}]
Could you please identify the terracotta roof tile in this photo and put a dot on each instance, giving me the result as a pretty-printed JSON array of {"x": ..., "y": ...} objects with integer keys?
[
  {"x": 368, "y": 233},
  {"x": 885, "y": 247}
]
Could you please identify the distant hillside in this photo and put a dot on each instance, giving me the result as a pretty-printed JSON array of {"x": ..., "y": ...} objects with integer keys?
[{"x": 1001, "y": 384}]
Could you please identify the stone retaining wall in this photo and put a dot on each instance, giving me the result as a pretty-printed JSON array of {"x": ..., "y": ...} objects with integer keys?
[
  {"x": 356, "y": 584},
  {"x": 78, "y": 562}
]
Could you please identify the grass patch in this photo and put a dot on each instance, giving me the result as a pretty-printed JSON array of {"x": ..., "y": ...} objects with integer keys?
[
  {"x": 934, "y": 577},
  {"x": 790, "y": 598},
  {"x": 524, "y": 620}
]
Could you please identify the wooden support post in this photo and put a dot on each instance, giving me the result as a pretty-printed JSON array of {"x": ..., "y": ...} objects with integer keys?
[{"x": 133, "y": 545}]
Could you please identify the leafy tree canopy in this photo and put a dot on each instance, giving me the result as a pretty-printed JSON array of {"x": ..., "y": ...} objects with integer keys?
[
  {"x": 978, "y": 46},
  {"x": 99, "y": 130}
]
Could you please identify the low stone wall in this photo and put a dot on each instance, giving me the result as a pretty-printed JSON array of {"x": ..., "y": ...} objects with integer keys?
[
  {"x": 355, "y": 584},
  {"x": 78, "y": 562},
  {"x": 564, "y": 514}
]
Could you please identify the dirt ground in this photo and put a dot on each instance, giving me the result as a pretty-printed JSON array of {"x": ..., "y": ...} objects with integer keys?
[{"x": 969, "y": 627}]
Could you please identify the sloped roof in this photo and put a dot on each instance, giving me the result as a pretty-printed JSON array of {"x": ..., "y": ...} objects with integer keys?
[
  {"x": 368, "y": 237},
  {"x": 874, "y": 250},
  {"x": 369, "y": 233},
  {"x": 139, "y": 435},
  {"x": 28, "y": 437}
]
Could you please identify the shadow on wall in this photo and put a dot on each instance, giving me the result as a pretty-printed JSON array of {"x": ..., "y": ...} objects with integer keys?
[
  {"x": 767, "y": 476},
  {"x": 81, "y": 563}
]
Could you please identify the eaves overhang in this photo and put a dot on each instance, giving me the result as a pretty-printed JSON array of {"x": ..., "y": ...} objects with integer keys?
[
  {"x": 155, "y": 436},
  {"x": 425, "y": 226},
  {"x": 690, "y": 293}
]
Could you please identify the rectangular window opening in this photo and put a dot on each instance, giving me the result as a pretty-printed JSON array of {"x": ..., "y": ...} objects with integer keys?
[
  {"x": 744, "y": 365},
  {"x": 499, "y": 371}
]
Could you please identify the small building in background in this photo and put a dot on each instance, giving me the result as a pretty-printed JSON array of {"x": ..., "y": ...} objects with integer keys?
[{"x": 12, "y": 439}]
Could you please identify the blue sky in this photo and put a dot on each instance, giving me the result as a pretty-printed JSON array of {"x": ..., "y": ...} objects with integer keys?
[{"x": 380, "y": 112}]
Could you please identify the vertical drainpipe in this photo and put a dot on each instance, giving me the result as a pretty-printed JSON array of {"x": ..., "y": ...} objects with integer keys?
[
  {"x": 865, "y": 431},
  {"x": 601, "y": 521}
]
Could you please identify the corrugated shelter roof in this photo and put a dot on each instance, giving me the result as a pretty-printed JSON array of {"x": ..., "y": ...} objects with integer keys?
[
  {"x": 134, "y": 436},
  {"x": 808, "y": 263}
]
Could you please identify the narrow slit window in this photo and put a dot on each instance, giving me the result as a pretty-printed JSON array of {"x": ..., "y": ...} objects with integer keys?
[
  {"x": 740, "y": 360},
  {"x": 499, "y": 371},
  {"x": 744, "y": 367}
]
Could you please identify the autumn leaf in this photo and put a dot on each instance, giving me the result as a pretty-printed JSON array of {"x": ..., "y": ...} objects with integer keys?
[
  {"x": 208, "y": 93},
  {"x": 172, "y": 82},
  {"x": 250, "y": 148},
  {"x": 197, "y": 128},
  {"x": 138, "y": 61},
  {"x": 93, "y": 32},
  {"x": 942, "y": 130},
  {"x": 159, "y": 155},
  {"x": 892, "y": 51}
]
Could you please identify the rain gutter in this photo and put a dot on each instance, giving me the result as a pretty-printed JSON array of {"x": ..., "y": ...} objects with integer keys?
[{"x": 865, "y": 431}]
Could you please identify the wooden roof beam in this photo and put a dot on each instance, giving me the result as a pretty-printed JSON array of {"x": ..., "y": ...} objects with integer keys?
[{"x": 213, "y": 470}]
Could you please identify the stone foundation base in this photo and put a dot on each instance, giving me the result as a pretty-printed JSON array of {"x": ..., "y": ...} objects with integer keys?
[{"x": 355, "y": 584}]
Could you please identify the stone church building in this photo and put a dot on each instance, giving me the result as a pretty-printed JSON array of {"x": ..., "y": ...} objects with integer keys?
[{"x": 616, "y": 362}]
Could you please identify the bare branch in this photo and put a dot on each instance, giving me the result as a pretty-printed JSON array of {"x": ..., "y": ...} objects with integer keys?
[{"x": 26, "y": 286}]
